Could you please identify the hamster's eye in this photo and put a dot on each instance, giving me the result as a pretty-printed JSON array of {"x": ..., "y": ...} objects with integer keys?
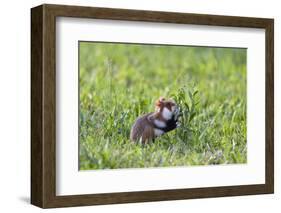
[{"x": 169, "y": 105}]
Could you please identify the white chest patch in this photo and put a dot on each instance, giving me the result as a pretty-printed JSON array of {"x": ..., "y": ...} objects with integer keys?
[
  {"x": 158, "y": 132},
  {"x": 167, "y": 114},
  {"x": 159, "y": 124}
]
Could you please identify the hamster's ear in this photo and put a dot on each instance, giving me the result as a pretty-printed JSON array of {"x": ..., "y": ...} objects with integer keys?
[
  {"x": 159, "y": 102},
  {"x": 161, "y": 99}
]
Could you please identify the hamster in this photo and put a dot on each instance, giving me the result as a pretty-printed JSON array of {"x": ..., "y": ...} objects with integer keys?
[{"x": 149, "y": 126}]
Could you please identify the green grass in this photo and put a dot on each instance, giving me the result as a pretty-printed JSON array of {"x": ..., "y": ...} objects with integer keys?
[{"x": 119, "y": 82}]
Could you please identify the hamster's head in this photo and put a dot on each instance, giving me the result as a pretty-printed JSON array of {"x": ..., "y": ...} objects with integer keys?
[{"x": 168, "y": 108}]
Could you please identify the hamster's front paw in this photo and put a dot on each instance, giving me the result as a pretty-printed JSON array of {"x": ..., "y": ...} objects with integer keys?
[{"x": 176, "y": 114}]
